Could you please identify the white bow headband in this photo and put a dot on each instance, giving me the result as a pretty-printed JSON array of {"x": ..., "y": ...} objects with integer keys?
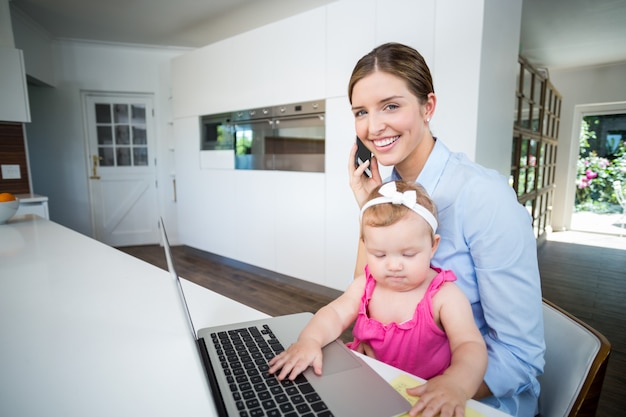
[{"x": 390, "y": 195}]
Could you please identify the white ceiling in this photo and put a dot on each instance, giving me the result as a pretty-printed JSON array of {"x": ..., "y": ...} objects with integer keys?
[
  {"x": 555, "y": 33},
  {"x": 183, "y": 23},
  {"x": 573, "y": 33}
]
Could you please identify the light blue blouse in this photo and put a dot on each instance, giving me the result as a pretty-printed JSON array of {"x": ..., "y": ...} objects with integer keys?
[{"x": 487, "y": 240}]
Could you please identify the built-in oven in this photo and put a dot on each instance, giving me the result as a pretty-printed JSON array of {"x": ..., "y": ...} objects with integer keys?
[
  {"x": 287, "y": 138},
  {"x": 251, "y": 127},
  {"x": 298, "y": 143}
]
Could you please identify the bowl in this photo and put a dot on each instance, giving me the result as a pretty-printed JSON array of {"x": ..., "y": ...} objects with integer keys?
[{"x": 8, "y": 210}]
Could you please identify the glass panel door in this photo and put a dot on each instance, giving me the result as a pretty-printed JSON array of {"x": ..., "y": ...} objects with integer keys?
[
  {"x": 121, "y": 134},
  {"x": 122, "y": 174}
]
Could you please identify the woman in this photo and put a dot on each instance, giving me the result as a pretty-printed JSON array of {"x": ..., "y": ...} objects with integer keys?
[{"x": 486, "y": 235}]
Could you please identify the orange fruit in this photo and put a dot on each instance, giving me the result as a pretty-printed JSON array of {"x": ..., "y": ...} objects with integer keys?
[{"x": 4, "y": 197}]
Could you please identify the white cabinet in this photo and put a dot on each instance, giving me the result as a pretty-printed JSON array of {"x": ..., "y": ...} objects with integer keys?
[
  {"x": 275, "y": 64},
  {"x": 354, "y": 27},
  {"x": 350, "y": 35},
  {"x": 298, "y": 57},
  {"x": 14, "y": 97}
]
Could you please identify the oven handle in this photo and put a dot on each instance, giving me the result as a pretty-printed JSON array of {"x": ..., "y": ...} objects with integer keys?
[{"x": 317, "y": 118}]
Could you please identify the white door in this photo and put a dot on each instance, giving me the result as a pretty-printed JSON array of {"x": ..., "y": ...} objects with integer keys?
[{"x": 122, "y": 168}]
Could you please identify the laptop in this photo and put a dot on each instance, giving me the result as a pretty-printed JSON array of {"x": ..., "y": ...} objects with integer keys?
[{"x": 235, "y": 359}]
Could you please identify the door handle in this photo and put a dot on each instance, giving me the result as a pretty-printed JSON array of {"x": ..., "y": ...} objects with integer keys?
[{"x": 95, "y": 159}]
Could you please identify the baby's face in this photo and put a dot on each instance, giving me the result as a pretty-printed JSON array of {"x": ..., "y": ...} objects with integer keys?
[{"x": 399, "y": 255}]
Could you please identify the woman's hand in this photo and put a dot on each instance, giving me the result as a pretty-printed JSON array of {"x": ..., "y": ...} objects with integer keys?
[
  {"x": 361, "y": 185},
  {"x": 296, "y": 359},
  {"x": 439, "y": 396}
]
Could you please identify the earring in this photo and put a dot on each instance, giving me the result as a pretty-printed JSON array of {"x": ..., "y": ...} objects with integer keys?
[{"x": 428, "y": 120}]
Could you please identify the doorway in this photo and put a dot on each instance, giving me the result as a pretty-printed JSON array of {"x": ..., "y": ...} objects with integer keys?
[
  {"x": 122, "y": 167},
  {"x": 601, "y": 162}
]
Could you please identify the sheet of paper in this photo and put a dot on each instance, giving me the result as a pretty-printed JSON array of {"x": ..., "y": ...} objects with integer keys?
[{"x": 402, "y": 382}]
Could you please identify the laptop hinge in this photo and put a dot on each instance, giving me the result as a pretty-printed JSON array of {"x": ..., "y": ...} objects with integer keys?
[{"x": 210, "y": 372}]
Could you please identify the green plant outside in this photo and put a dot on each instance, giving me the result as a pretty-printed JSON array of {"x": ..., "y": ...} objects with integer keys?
[
  {"x": 596, "y": 174},
  {"x": 243, "y": 143}
]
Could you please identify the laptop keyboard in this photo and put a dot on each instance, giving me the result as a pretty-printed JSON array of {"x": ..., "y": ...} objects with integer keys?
[{"x": 244, "y": 355}]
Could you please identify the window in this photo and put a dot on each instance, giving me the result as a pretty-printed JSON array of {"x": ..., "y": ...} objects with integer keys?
[
  {"x": 121, "y": 134},
  {"x": 535, "y": 134}
]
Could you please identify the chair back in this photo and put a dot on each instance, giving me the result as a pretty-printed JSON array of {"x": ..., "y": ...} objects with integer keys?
[{"x": 576, "y": 359}]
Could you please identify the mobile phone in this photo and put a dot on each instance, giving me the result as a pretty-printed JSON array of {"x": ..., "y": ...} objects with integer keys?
[{"x": 363, "y": 154}]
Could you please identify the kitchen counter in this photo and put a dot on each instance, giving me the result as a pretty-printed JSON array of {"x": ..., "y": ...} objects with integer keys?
[{"x": 89, "y": 330}]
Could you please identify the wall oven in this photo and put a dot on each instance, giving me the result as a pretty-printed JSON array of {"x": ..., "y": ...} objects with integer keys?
[{"x": 286, "y": 138}]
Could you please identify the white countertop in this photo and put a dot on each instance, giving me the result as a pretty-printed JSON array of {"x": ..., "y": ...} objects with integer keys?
[{"x": 89, "y": 330}]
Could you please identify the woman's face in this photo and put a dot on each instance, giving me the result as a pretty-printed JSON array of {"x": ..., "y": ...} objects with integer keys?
[{"x": 389, "y": 117}]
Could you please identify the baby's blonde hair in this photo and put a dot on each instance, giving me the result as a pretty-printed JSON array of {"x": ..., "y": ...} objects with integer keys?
[{"x": 381, "y": 215}]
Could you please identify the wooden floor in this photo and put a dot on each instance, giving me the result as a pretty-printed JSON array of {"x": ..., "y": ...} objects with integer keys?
[{"x": 589, "y": 281}]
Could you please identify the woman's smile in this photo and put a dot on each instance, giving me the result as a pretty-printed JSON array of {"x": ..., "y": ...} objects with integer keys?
[{"x": 384, "y": 142}]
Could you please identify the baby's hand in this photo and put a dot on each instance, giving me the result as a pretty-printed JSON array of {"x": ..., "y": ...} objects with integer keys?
[
  {"x": 296, "y": 359},
  {"x": 439, "y": 396}
]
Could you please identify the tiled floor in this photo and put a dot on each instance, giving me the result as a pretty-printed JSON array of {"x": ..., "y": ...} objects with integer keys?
[
  {"x": 592, "y": 229},
  {"x": 611, "y": 224}
]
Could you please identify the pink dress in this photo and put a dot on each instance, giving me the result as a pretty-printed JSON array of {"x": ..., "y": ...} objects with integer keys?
[{"x": 417, "y": 346}]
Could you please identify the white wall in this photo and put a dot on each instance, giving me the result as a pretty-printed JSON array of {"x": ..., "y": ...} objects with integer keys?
[
  {"x": 56, "y": 141},
  {"x": 37, "y": 43},
  {"x": 305, "y": 224},
  {"x": 583, "y": 87},
  {"x": 474, "y": 69},
  {"x": 498, "y": 69}
]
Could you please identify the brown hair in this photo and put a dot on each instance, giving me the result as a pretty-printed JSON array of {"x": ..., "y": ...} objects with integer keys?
[
  {"x": 396, "y": 59},
  {"x": 381, "y": 215}
]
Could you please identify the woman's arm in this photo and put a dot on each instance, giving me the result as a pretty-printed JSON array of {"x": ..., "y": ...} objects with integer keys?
[{"x": 504, "y": 253}]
